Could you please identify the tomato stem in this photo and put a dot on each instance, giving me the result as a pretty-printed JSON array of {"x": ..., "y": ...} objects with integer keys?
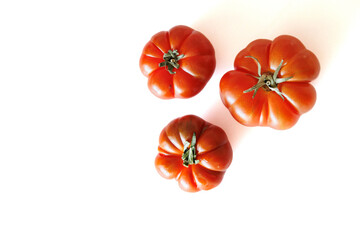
[
  {"x": 267, "y": 81},
  {"x": 189, "y": 154},
  {"x": 171, "y": 59}
]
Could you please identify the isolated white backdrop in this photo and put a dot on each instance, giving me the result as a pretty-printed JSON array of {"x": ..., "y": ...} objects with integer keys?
[{"x": 79, "y": 128}]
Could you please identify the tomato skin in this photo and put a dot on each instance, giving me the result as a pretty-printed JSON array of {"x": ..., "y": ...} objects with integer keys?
[
  {"x": 267, "y": 108},
  {"x": 195, "y": 68},
  {"x": 213, "y": 149}
]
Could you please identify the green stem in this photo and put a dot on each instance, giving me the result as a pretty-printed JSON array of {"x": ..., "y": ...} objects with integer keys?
[
  {"x": 189, "y": 154},
  {"x": 171, "y": 59},
  {"x": 268, "y": 81}
]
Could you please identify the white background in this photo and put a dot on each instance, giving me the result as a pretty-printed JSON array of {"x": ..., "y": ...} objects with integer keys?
[{"x": 79, "y": 128}]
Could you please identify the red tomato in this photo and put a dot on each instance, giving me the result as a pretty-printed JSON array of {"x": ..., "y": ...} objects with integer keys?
[
  {"x": 178, "y": 63},
  {"x": 194, "y": 152},
  {"x": 270, "y": 85}
]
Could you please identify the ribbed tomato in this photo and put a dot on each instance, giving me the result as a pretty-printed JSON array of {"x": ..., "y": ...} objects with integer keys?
[
  {"x": 278, "y": 73},
  {"x": 178, "y": 63},
  {"x": 194, "y": 152}
]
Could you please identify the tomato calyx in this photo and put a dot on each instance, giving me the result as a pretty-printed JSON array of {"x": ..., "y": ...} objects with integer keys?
[
  {"x": 268, "y": 81},
  {"x": 189, "y": 154},
  {"x": 171, "y": 59}
]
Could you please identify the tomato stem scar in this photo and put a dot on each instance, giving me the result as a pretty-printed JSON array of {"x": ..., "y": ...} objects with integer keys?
[
  {"x": 268, "y": 81},
  {"x": 189, "y": 154},
  {"x": 171, "y": 59}
]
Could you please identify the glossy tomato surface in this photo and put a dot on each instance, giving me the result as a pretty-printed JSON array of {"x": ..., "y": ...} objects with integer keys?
[
  {"x": 212, "y": 151},
  {"x": 280, "y": 105},
  {"x": 186, "y": 70}
]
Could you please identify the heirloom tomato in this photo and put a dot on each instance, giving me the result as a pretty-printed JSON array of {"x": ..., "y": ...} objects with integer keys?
[
  {"x": 194, "y": 152},
  {"x": 178, "y": 63},
  {"x": 270, "y": 85}
]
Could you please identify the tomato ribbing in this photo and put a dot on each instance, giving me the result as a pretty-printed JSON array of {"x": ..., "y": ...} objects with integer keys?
[
  {"x": 194, "y": 152},
  {"x": 177, "y": 63},
  {"x": 279, "y": 72}
]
